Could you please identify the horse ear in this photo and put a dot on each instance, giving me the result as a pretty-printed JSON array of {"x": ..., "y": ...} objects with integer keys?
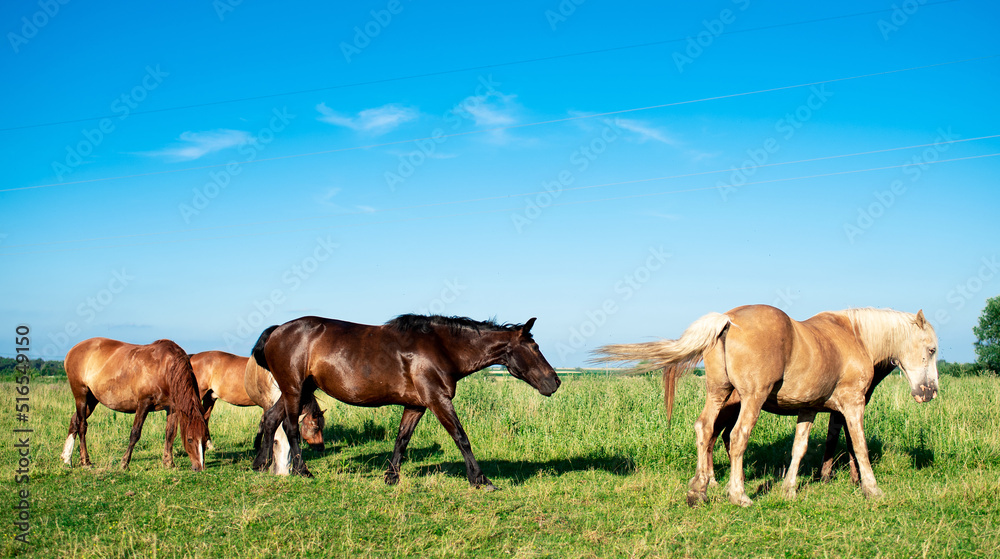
[
  {"x": 921, "y": 320},
  {"x": 526, "y": 329}
]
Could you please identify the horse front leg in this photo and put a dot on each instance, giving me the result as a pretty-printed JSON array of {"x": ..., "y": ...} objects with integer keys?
[
  {"x": 802, "y": 428},
  {"x": 411, "y": 416},
  {"x": 854, "y": 419},
  {"x": 168, "y": 448},
  {"x": 140, "y": 418},
  {"x": 445, "y": 412}
]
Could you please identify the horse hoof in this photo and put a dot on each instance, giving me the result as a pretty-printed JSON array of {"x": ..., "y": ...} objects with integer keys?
[
  {"x": 875, "y": 493},
  {"x": 488, "y": 487},
  {"x": 695, "y": 498},
  {"x": 741, "y": 500},
  {"x": 712, "y": 482},
  {"x": 391, "y": 479}
]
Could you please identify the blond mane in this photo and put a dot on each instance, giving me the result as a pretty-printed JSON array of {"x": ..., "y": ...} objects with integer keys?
[{"x": 882, "y": 331}]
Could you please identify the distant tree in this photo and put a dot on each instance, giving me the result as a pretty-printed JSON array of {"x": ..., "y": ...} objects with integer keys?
[{"x": 988, "y": 336}]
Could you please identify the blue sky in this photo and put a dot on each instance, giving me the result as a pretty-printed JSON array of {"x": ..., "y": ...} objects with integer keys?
[{"x": 202, "y": 170}]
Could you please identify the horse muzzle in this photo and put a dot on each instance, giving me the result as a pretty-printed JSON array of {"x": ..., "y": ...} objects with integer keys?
[
  {"x": 549, "y": 387},
  {"x": 924, "y": 392}
]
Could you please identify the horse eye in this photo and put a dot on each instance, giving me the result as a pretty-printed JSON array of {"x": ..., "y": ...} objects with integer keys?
[{"x": 932, "y": 350}]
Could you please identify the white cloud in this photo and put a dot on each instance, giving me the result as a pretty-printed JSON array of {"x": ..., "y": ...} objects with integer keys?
[
  {"x": 378, "y": 120},
  {"x": 491, "y": 109},
  {"x": 194, "y": 145},
  {"x": 646, "y": 131}
]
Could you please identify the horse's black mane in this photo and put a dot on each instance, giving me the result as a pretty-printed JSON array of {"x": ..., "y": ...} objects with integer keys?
[{"x": 424, "y": 324}]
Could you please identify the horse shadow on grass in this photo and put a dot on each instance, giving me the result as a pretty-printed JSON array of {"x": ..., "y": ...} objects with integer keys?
[{"x": 510, "y": 472}]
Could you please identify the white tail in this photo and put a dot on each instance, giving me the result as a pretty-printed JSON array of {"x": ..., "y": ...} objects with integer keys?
[{"x": 675, "y": 357}]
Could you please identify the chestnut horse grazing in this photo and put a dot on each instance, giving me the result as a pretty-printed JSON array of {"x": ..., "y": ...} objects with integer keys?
[
  {"x": 264, "y": 392},
  {"x": 825, "y": 363},
  {"x": 221, "y": 376},
  {"x": 413, "y": 361},
  {"x": 136, "y": 379}
]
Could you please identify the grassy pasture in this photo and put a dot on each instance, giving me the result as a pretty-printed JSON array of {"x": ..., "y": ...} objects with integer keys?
[{"x": 593, "y": 471}]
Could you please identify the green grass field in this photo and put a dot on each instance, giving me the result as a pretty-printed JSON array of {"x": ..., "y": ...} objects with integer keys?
[{"x": 593, "y": 471}]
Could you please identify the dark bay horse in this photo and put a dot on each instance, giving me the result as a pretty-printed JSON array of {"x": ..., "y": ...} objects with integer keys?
[
  {"x": 136, "y": 379},
  {"x": 413, "y": 361},
  {"x": 222, "y": 376},
  {"x": 824, "y": 364}
]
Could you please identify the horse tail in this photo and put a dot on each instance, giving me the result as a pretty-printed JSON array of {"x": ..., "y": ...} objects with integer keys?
[
  {"x": 674, "y": 357},
  {"x": 258, "y": 348}
]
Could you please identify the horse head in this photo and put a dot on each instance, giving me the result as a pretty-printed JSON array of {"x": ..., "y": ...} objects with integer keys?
[
  {"x": 194, "y": 433},
  {"x": 917, "y": 358},
  {"x": 525, "y": 361},
  {"x": 313, "y": 423}
]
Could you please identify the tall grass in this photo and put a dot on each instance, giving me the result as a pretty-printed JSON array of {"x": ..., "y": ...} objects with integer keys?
[{"x": 593, "y": 471}]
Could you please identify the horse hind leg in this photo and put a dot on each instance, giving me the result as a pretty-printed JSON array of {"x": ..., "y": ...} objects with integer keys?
[
  {"x": 269, "y": 424},
  {"x": 85, "y": 405},
  {"x": 802, "y": 428},
  {"x": 208, "y": 403},
  {"x": 749, "y": 413}
]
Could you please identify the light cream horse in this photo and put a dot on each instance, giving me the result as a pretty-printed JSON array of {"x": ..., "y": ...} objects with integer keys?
[
  {"x": 823, "y": 364},
  {"x": 262, "y": 389}
]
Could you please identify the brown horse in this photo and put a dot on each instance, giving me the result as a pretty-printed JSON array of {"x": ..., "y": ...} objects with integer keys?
[
  {"x": 136, "y": 379},
  {"x": 412, "y": 361},
  {"x": 774, "y": 363},
  {"x": 264, "y": 392},
  {"x": 221, "y": 376}
]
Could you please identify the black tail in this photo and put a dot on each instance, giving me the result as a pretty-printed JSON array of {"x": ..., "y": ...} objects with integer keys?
[{"x": 258, "y": 348}]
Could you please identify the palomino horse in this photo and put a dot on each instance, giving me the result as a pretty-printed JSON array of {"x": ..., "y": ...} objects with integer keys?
[
  {"x": 136, "y": 379},
  {"x": 221, "y": 377},
  {"x": 264, "y": 391},
  {"x": 413, "y": 361},
  {"x": 826, "y": 363}
]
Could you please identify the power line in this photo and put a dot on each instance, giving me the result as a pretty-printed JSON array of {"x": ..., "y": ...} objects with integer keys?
[
  {"x": 438, "y": 138},
  {"x": 459, "y": 70},
  {"x": 500, "y": 197},
  {"x": 502, "y": 210}
]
